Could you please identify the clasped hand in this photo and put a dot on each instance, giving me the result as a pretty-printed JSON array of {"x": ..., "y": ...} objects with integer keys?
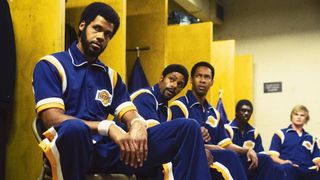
[
  {"x": 134, "y": 145},
  {"x": 252, "y": 158}
]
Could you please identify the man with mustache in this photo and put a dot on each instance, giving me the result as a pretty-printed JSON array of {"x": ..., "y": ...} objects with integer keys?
[
  {"x": 75, "y": 92},
  {"x": 152, "y": 102},
  {"x": 152, "y": 105}
]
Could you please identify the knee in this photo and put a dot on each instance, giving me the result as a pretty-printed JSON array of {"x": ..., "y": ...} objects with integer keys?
[
  {"x": 74, "y": 129},
  {"x": 189, "y": 123},
  {"x": 264, "y": 157},
  {"x": 231, "y": 154}
]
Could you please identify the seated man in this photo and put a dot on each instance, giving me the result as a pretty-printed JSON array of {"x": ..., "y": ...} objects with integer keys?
[
  {"x": 244, "y": 135},
  {"x": 152, "y": 102},
  {"x": 75, "y": 92},
  {"x": 295, "y": 150},
  {"x": 195, "y": 105}
]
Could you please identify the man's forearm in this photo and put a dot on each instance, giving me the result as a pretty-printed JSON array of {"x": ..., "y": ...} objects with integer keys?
[{"x": 237, "y": 149}]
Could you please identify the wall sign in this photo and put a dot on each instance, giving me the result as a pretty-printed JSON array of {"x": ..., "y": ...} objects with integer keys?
[{"x": 272, "y": 87}]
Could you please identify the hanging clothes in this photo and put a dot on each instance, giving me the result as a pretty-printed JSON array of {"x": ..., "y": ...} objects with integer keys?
[
  {"x": 137, "y": 79},
  {"x": 70, "y": 36}
]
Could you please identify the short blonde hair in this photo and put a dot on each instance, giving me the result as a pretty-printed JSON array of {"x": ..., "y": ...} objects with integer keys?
[{"x": 298, "y": 108}]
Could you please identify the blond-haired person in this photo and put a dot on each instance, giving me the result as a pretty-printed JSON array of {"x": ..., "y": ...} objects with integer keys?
[{"x": 295, "y": 150}]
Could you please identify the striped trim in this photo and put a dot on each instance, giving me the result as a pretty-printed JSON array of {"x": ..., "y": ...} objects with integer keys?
[
  {"x": 274, "y": 153},
  {"x": 100, "y": 66},
  {"x": 169, "y": 113},
  {"x": 263, "y": 152},
  {"x": 49, "y": 103},
  {"x": 123, "y": 108},
  {"x": 152, "y": 122},
  {"x": 225, "y": 142},
  {"x": 140, "y": 91},
  {"x": 256, "y": 134},
  {"x": 229, "y": 130},
  {"x": 51, "y": 151},
  {"x": 281, "y": 135},
  {"x": 73, "y": 62},
  {"x": 113, "y": 76},
  {"x": 313, "y": 167},
  {"x": 50, "y": 134},
  {"x": 217, "y": 113},
  {"x": 222, "y": 169},
  {"x": 316, "y": 160},
  {"x": 54, "y": 61},
  {"x": 168, "y": 174},
  {"x": 182, "y": 107}
]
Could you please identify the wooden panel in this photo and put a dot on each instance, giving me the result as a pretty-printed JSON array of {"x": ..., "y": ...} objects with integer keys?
[
  {"x": 223, "y": 61},
  {"x": 147, "y": 29},
  {"x": 244, "y": 79},
  {"x": 189, "y": 44},
  {"x": 37, "y": 33},
  {"x": 114, "y": 55}
]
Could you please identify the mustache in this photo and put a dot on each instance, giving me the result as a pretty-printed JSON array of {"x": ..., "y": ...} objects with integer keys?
[{"x": 170, "y": 90}]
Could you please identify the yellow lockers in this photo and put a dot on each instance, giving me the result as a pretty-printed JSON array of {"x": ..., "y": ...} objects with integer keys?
[
  {"x": 244, "y": 79},
  {"x": 188, "y": 45},
  {"x": 39, "y": 30},
  {"x": 34, "y": 38},
  {"x": 223, "y": 61},
  {"x": 147, "y": 27}
]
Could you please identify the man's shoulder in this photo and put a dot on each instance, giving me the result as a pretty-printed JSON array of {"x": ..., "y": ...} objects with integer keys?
[
  {"x": 58, "y": 56},
  {"x": 183, "y": 99},
  {"x": 63, "y": 55},
  {"x": 142, "y": 93}
]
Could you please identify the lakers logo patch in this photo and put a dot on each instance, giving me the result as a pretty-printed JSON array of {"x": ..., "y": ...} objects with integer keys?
[
  {"x": 307, "y": 145},
  {"x": 248, "y": 144},
  {"x": 212, "y": 121},
  {"x": 104, "y": 97}
]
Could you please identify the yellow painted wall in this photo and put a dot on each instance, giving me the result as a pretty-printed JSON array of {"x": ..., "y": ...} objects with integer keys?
[
  {"x": 147, "y": 26},
  {"x": 37, "y": 33},
  {"x": 224, "y": 64},
  {"x": 189, "y": 44},
  {"x": 244, "y": 78},
  {"x": 114, "y": 55}
]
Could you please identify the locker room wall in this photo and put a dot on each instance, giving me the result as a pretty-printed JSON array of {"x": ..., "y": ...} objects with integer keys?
[
  {"x": 38, "y": 33},
  {"x": 283, "y": 37}
]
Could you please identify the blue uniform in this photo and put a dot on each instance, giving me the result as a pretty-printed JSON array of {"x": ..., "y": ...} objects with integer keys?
[
  {"x": 187, "y": 106},
  {"x": 154, "y": 108},
  {"x": 301, "y": 150},
  {"x": 151, "y": 105},
  {"x": 93, "y": 91},
  {"x": 251, "y": 139}
]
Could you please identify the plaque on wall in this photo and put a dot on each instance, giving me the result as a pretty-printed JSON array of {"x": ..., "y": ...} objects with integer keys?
[{"x": 272, "y": 87}]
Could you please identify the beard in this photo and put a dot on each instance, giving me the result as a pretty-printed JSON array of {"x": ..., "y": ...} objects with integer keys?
[
  {"x": 167, "y": 96},
  {"x": 88, "y": 50}
]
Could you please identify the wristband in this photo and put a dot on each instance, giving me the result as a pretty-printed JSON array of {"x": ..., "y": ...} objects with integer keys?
[
  {"x": 139, "y": 119},
  {"x": 104, "y": 126}
]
